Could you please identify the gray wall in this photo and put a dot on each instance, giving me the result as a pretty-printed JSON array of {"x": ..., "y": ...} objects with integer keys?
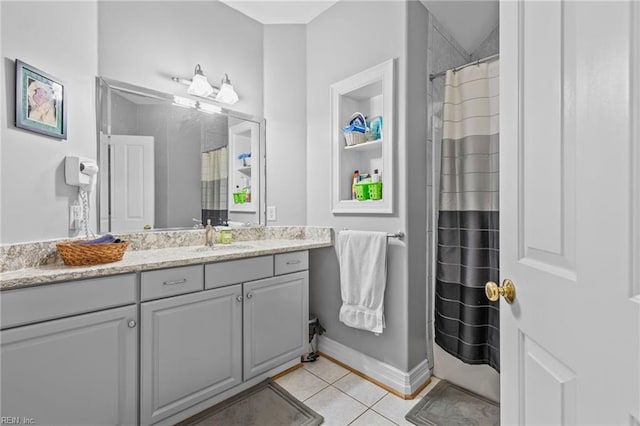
[
  {"x": 490, "y": 46},
  {"x": 124, "y": 116},
  {"x": 285, "y": 108},
  {"x": 330, "y": 59},
  {"x": 416, "y": 176},
  {"x": 153, "y": 122},
  {"x": 59, "y": 39},
  {"x": 146, "y": 42},
  {"x": 184, "y": 134},
  {"x": 143, "y": 43},
  {"x": 177, "y": 36}
]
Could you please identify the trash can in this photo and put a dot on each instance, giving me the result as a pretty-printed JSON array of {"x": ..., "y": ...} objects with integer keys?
[{"x": 315, "y": 329}]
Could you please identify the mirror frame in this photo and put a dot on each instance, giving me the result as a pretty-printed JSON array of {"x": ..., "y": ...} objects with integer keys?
[{"x": 169, "y": 97}]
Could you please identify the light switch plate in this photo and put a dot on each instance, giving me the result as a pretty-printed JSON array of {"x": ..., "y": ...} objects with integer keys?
[{"x": 271, "y": 213}]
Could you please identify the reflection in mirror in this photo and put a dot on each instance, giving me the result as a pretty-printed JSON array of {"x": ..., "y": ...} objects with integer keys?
[{"x": 175, "y": 162}]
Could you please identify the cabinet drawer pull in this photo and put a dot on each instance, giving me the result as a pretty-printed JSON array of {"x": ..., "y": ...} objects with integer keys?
[
  {"x": 293, "y": 262},
  {"x": 239, "y": 298},
  {"x": 249, "y": 295},
  {"x": 131, "y": 324},
  {"x": 174, "y": 282}
]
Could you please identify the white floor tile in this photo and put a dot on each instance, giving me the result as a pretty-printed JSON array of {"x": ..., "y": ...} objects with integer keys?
[
  {"x": 360, "y": 389},
  {"x": 371, "y": 418},
  {"x": 326, "y": 370},
  {"x": 301, "y": 384},
  {"x": 337, "y": 408},
  {"x": 395, "y": 408}
]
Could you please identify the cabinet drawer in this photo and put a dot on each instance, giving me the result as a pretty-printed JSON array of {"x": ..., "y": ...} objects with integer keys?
[
  {"x": 170, "y": 282},
  {"x": 33, "y": 304},
  {"x": 292, "y": 262},
  {"x": 238, "y": 271}
]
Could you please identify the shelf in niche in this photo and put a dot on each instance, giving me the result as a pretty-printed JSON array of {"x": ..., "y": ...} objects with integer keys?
[
  {"x": 365, "y": 146},
  {"x": 245, "y": 170},
  {"x": 370, "y": 92},
  {"x": 364, "y": 202}
]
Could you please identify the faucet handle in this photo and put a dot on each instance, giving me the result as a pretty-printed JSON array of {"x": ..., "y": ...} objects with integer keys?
[{"x": 197, "y": 224}]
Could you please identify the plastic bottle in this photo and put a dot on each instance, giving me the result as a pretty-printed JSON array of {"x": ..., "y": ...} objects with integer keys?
[
  {"x": 376, "y": 176},
  {"x": 355, "y": 179}
]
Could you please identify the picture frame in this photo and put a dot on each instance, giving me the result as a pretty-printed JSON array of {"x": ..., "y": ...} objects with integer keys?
[{"x": 40, "y": 102}]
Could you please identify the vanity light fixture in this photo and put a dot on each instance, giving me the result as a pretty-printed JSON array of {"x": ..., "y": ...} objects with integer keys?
[
  {"x": 201, "y": 106},
  {"x": 208, "y": 108},
  {"x": 184, "y": 102},
  {"x": 200, "y": 86},
  {"x": 226, "y": 94}
]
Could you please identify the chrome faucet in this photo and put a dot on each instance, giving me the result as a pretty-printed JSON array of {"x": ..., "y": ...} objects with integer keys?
[
  {"x": 197, "y": 224},
  {"x": 209, "y": 234}
]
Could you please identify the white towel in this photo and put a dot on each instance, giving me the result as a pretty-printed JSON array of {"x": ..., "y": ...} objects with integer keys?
[{"x": 363, "y": 277}]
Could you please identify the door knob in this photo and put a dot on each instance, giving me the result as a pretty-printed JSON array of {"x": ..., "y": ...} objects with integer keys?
[{"x": 508, "y": 291}]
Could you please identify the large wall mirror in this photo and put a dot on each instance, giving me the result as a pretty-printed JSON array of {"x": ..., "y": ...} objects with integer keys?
[{"x": 170, "y": 162}]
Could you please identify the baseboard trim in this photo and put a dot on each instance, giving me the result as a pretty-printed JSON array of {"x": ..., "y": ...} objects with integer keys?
[
  {"x": 287, "y": 371},
  {"x": 406, "y": 385}
]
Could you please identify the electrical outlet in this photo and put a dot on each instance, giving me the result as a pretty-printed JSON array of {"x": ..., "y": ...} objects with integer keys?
[
  {"x": 75, "y": 215},
  {"x": 271, "y": 213}
]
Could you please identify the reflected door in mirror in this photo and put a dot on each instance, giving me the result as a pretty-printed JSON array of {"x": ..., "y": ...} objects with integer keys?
[{"x": 127, "y": 189}]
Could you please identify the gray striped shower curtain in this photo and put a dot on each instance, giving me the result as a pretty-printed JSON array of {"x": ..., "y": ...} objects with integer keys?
[
  {"x": 215, "y": 185},
  {"x": 466, "y": 323}
]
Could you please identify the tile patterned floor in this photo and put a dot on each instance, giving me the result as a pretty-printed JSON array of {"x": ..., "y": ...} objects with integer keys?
[{"x": 344, "y": 398}]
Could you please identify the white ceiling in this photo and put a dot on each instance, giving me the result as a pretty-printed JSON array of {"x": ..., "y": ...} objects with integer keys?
[
  {"x": 468, "y": 21},
  {"x": 281, "y": 12}
]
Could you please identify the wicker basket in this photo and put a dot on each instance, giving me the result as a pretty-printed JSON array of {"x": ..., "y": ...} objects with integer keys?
[
  {"x": 74, "y": 254},
  {"x": 354, "y": 138}
]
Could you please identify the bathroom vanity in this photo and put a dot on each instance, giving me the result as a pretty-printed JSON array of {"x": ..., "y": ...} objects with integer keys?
[{"x": 155, "y": 338}]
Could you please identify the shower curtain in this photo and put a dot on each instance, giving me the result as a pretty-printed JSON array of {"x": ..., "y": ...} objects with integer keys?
[
  {"x": 215, "y": 185},
  {"x": 466, "y": 322}
]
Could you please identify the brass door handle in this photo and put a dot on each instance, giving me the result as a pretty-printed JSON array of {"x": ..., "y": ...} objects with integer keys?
[{"x": 508, "y": 291}]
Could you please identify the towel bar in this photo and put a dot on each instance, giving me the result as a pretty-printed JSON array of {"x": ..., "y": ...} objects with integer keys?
[{"x": 400, "y": 235}]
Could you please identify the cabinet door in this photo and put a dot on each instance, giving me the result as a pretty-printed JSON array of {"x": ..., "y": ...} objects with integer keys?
[
  {"x": 190, "y": 350},
  {"x": 276, "y": 321},
  {"x": 80, "y": 370}
]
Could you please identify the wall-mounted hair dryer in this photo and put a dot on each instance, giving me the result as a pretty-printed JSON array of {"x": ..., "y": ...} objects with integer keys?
[{"x": 81, "y": 172}]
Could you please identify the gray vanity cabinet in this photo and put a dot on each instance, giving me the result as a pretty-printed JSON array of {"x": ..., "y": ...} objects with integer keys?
[
  {"x": 191, "y": 350},
  {"x": 274, "y": 321},
  {"x": 69, "y": 352},
  {"x": 80, "y": 370}
]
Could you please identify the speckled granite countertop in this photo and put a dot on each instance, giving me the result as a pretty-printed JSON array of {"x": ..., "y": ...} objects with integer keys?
[{"x": 156, "y": 258}]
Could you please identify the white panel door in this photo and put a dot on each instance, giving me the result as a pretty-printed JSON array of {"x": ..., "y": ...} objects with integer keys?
[
  {"x": 130, "y": 173},
  {"x": 569, "y": 342}
]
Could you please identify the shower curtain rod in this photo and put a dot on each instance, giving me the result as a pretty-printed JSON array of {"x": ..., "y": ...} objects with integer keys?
[{"x": 477, "y": 62}]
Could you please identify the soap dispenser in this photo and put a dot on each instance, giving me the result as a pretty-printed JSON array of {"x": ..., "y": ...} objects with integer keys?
[{"x": 208, "y": 234}]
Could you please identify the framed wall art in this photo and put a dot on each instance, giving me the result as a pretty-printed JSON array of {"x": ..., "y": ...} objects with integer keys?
[{"x": 40, "y": 102}]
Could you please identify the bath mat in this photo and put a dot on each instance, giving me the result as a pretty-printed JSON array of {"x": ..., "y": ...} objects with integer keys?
[
  {"x": 266, "y": 403},
  {"x": 448, "y": 404}
]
